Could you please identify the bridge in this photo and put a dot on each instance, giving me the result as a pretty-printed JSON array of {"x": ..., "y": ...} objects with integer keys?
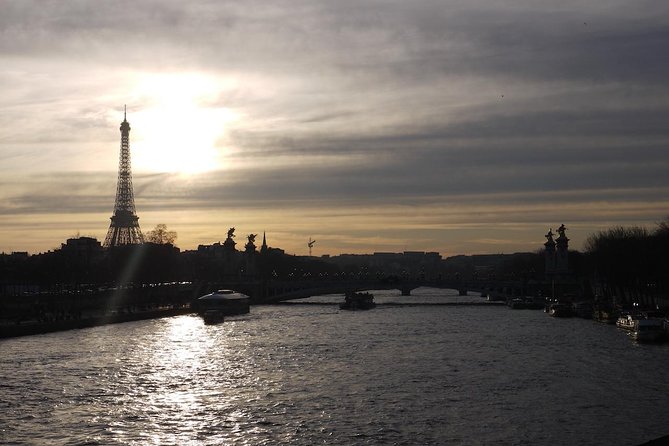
[
  {"x": 274, "y": 291},
  {"x": 62, "y": 310}
]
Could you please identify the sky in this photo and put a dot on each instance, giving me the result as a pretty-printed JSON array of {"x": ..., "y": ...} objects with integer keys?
[{"x": 454, "y": 126}]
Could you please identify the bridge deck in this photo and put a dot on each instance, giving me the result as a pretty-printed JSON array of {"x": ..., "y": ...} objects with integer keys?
[{"x": 405, "y": 304}]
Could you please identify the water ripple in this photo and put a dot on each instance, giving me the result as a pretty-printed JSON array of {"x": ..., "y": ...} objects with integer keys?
[{"x": 307, "y": 375}]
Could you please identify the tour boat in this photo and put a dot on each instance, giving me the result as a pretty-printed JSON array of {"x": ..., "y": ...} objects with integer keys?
[
  {"x": 358, "y": 301},
  {"x": 213, "y": 307}
]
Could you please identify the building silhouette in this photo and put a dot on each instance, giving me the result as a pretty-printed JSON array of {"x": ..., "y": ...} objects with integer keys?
[{"x": 124, "y": 227}]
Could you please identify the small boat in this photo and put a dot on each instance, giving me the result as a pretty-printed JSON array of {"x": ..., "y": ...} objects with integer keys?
[
  {"x": 559, "y": 310},
  {"x": 213, "y": 307},
  {"x": 648, "y": 330},
  {"x": 358, "y": 301},
  {"x": 212, "y": 317}
]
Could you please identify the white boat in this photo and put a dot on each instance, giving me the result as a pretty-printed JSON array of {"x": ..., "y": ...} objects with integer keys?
[
  {"x": 648, "y": 330},
  {"x": 213, "y": 307}
]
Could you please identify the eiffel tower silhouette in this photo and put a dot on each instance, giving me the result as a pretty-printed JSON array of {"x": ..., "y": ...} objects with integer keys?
[{"x": 124, "y": 227}]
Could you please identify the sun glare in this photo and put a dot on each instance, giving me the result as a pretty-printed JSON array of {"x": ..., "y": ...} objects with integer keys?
[{"x": 179, "y": 125}]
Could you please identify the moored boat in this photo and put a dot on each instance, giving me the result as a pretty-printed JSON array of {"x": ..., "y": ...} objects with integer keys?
[{"x": 627, "y": 321}]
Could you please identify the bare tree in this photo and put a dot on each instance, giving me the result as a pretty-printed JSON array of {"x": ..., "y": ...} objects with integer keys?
[
  {"x": 663, "y": 227},
  {"x": 161, "y": 236}
]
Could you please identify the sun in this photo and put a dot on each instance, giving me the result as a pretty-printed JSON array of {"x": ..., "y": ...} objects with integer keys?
[{"x": 179, "y": 125}]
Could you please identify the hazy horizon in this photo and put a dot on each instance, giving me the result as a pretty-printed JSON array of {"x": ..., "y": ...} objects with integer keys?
[{"x": 455, "y": 127}]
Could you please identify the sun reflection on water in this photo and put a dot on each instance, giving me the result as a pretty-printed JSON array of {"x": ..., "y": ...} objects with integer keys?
[{"x": 177, "y": 396}]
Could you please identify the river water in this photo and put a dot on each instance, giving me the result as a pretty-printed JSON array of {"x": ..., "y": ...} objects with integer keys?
[{"x": 312, "y": 374}]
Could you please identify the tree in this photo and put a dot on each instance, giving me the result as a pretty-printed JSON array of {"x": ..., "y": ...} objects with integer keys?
[
  {"x": 662, "y": 228},
  {"x": 161, "y": 236},
  {"x": 625, "y": 260}
]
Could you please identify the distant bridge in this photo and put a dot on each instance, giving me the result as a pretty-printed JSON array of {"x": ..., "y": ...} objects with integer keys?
[{"x": 274, "y": 291}]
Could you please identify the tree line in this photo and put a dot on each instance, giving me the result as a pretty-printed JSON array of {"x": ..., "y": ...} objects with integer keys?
[{"x": 630, "y": 264}]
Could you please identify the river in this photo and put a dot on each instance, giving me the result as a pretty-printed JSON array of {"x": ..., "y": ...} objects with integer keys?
[{"x": 312, "y": 374}]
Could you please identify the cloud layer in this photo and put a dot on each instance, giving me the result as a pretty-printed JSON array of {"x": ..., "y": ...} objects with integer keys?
[{"x": 449, "y": 126}]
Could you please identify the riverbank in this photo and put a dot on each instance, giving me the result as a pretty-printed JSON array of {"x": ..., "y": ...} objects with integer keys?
[{"x": 33, "y": 327}]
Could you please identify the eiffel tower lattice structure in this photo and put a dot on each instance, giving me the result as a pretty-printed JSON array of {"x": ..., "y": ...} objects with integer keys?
[{"x": 124, "y": 227}]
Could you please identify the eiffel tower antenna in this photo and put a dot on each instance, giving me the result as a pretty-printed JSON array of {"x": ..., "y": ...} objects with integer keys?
[{"x": 124, "y": 227}]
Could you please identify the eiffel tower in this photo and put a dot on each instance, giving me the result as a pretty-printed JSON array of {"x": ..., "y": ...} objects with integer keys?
[{"x": 124, "y": 227}]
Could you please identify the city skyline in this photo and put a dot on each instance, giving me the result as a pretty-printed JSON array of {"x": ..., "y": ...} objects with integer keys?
[{"x": 440, "y": 126}]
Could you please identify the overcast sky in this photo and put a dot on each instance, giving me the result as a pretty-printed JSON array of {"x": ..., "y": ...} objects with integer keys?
[{"x": 450, "y": 126}]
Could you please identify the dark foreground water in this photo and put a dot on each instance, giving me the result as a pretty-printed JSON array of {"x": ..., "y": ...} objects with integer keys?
[{"x": 306, "y": 375}]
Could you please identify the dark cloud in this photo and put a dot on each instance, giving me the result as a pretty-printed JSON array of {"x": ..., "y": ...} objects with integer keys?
[
  {"x": 378, "y": 39},
  {"x": 340, "y": 187},
  {"x": 553, "y": 45}
]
